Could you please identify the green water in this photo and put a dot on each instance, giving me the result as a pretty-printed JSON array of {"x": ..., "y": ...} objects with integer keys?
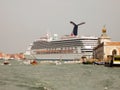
[{"x": 19, "y": 76}]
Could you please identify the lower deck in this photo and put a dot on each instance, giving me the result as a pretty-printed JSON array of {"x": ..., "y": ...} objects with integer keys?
[{"x": 58, "y": 56}]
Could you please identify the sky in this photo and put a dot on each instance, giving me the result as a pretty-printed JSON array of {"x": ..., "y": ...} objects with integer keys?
[{"x": 23, "y": 21}]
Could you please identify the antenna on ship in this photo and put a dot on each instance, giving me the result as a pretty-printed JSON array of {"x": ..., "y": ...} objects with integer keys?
[{"x": 75, "y": 29}]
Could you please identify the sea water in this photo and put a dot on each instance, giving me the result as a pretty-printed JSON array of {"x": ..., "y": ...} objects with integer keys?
[{"x": 19, "y": 76}]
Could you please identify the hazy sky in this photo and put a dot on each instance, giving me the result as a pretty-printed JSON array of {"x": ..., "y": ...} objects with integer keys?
[{"x": 23, "y": 21}]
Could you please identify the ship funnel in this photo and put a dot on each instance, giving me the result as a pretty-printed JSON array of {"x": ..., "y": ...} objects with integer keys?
[{"x": 75, "y": 29}]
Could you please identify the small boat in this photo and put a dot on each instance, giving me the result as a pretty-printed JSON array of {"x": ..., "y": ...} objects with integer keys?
[
  {"x": 34, "y": 62},
  {"x": 99, "y": 63},
  {"x": 6, "y": 63},
  {"x": 27, "y": 62},
  {"x": 58, "y": 63}
]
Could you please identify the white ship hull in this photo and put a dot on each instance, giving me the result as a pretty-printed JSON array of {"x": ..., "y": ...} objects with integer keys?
[{"x": 58, "y": 56}]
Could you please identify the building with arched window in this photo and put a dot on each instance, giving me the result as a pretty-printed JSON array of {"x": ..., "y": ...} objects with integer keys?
[{"x": 106, "y": 47}]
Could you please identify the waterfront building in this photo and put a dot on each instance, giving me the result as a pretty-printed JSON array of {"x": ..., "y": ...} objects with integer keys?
[
  {"x": 106, "y": 47},
  {"x": 1, "y": 55}
]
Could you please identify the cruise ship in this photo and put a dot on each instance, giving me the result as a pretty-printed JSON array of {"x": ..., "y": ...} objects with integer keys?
[
  {"x": 68, "y": 47},
  {"x": 65, "y": 48}
]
